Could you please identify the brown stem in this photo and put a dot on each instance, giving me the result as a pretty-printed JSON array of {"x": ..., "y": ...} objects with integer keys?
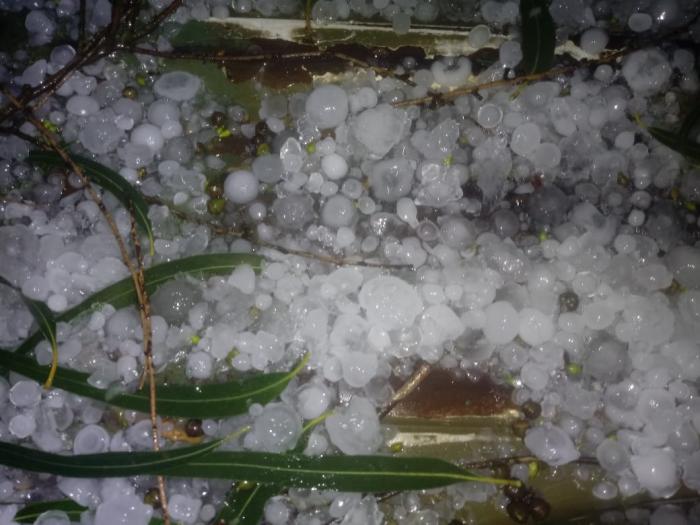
[{"x": 409, "y": 386}]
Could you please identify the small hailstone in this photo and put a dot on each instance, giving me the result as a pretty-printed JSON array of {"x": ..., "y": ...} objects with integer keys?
[
  {"x": 657, "y": 471},
  {"x": 91, "y": 439},
  {"x": 489, "y": 116},
  {"x": 551, "y": 444},
  {"x": 22, "y": 425},
  {"x": 277, "y": 512},
  {"x": 327, "y": 106},
  {"x": 124, "y": 509},
  {"x": 277, "y": 428},
  {"x": 313, "y": 400},
  {"x": 243, "y": 278},
  {"x": 502, "y": 322},
  {"x": 184, "y": 509},
  {"x": 334, "y": 166},
  {"x": 177, "y": 85},
  {"x": 535, "y": 327},
  {"x": 525, "y": 139},
  {"x": 25, "y": 394},
  {"x": 345, "y": 237},
  {"x": 636, "y": 218},
  {"x": 478, "y": 36},
  {"x": 639, "y": 22},
  {"x": 406, "y": 210},
  {"x": 148, "y": 135},
  {"x": 390, "y": 302},
  {"x": 338, "y": 211},
  {"x": 199, "y": 365},
  {"x": 510, "y": 53},
  {"x": 241, "y": 187},
  {"x": 358, "y": 368},
  {"x": 594, "y": 40},
  {"x": 82, "y": 105}
]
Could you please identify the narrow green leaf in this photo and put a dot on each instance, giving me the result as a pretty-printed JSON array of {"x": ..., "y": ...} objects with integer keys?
[
  {"x": 346, "y": 473},
  {"x": 47, "y": 327},
  {"x": 31, "y": 512},
  {"x": 112, "y": 464},
  {"x": 246, "y": 506},
  {"x": 204, "y": 401},
  {"x": 676, "y": 142},
  {"x": 538, "y": 36},
  {"x": 121, "y": 293},
  {"x": 108, "y": 179}
]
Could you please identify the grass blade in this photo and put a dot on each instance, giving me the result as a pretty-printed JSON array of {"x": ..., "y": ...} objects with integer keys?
[
  {"x": 678, "y": 143},
  {"x": 538, "y": 36},
  {"x": 31, "y": 512},
  {"x": 346, "y": 473},
  {"x": 47, "y": 327},
  {"x": 121, "y": 293},
  {"x": 112, "y": 464},
  {"x": 202, "y": 401},
  {"x": 107, "y": 179}
]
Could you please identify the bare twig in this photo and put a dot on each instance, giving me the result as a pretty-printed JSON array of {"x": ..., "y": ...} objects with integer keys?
[{"x": 409, "y": 386}]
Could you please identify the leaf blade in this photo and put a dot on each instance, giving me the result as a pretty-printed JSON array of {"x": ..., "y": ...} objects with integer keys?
[
  {"x": 677, "y": 143},
  {"x": 109, "y": 180},
  {"x": 112, "y": 464},
  {"x": 246, "y": 507},
  {"x": 346, "y": 473},
  {"x": 30, "y": 513},
  {"x": 538, "y": 36},
  {"x": 205, "y": 401}
]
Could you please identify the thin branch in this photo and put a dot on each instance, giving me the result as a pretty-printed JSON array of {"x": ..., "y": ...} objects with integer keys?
[{"x": 409, "y": 386}]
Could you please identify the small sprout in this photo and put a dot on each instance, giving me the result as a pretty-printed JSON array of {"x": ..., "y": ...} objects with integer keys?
[
  {"x": 447, "y": 161},
  {"x": 215, "y": 190},
  {"x": 690, "y": 206},
  {"x": 568, "y": 302},
  {"x": 223, "y": 132},
  {"x": 311, "y": 148},
  {"x": 193, "y": 428},
  {"x": 539, "y": 509},
  {"x": 152, "y": 498},
  {"x": 254, "y": 312},
  {"x": 140, "y": 80},
  {"x": 130, "y": 92},
  {"x": 195, "y": 339},
  {"x": 216, "y": 206},
  {"x": 533, "y": 468},
  {"x": 574, "y": 369},
  {"x": 262, "y": 149},
  {"x": 518, "y": 511},
  {"x": 623, "y": 180},
  {"x": 543, "y": 236},
  {"x": 53, "y": 128},
  {"x": 531, "y": 409},
  {"x": 396, "y": 447},
  {"x": 141, "y": 173},
  {"x": 675, "y": 194}
]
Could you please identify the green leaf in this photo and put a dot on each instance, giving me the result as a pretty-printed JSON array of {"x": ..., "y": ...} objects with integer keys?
[
  {"x": 109, "y": 180},
  {"x": 47, "y": 327},
  {"x": 201, "y": 401},
  {"x": 31, "y": 512},
  {"x": 112, "y": 464},
  {"x": 676, "y": 142},
  {"x": 121, "y": 293},
  {"x": 246, "y": 506},
  {"x": 689, "y": 123},
  {"x": 346, "y": 473},
  {"x": 538, "y": 36}
]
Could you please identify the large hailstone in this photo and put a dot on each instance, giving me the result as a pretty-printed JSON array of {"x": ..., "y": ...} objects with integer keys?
[
  {"x": 327, "y": 106},
  {"x": 390, "y": 302},
  {"x": 177, "y": 85},
  {"x": 379, "y": 129},
  {"x": 355, "y": 429}
]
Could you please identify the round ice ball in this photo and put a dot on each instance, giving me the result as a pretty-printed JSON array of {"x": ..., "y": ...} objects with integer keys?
[
  {"x": 594, "y": 40},
  {"x": 390, "y": 302},
  {"x": 334, "y": 166},
  {"x": 174, "y": 299},
  {"x": 551, "y": 444},
  {"x": 457, "y": 232},
  {"x": 241, "y": 187},
  {"x": 148, "y": 135},
  {"x": 502, "y": 323},
  {"x": 268, "y": 168},
  {"x": 657, "y": 472},
  {"x": 338, "y": 211},
  {"x": 177, "y": 85},
  {"x": 123, "y": 509},
  {"x": 327, "y": 106},
  {"x": 277, "y": 428},
  {"x": 91, "y": 439},
  {"x": 525, "y": 139}
]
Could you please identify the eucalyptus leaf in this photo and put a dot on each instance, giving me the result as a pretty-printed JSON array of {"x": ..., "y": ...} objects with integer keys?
[
  {"x": 676, "y": 142},
  {"x": 109, "y": 180},
  {"x": 345, "y": 473},
  {"x": 689, "y": 122},
  {"x": 538, "y": 36},
  {"x": 108, "y": 465},
  {"x": 31, "y": 512},
  {"x": 200, "y": 401},
  {"x": 47, "y": 327},
  {"x": 121, "y": 293}
]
